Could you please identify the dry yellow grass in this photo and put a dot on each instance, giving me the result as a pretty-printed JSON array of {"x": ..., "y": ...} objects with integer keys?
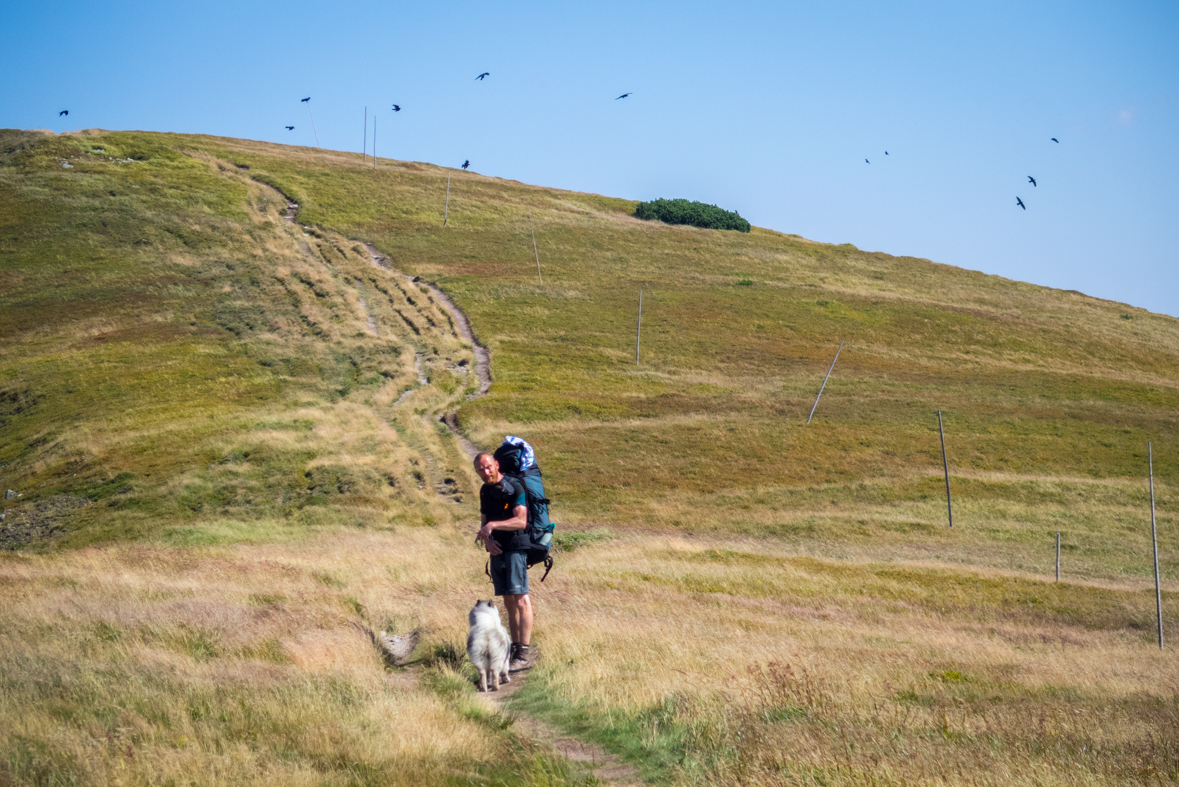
[
  {"x": 722, "y": 660},
  {"x": 752, "y": 665},
  {"x": 141, "y": 664}
]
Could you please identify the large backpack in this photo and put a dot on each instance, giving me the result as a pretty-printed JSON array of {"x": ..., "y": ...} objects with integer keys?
[{"x": 517, "y": 459}]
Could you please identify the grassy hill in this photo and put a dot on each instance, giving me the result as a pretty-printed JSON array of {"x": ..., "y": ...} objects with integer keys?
[
  {"x": 217, "y": 397},
  {"x": 1049, "y": 397},
  {"x": 180, "y": 356}
]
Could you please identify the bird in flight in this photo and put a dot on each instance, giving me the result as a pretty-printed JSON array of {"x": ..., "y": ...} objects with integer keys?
[
  {"x": 1057, "y": 141},
  {"x": 63, "y": 112},
  {"x": 484, "y": 74},
  {"x": 396, "y": 107},
  {"x": 1031, "y": 180},
  {"x": 290, "y": 128},
  {"x": 1019, "y": 202},
  {"x": 624, "y": 95},
  {"x": 305, "y": 100},
  {"x": 886, "y": 152},
  {"x": 866, "y": 161},
  {"x": 466, "y": 163}
]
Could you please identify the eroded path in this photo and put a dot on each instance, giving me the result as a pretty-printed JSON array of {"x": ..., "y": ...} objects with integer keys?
[{"x": 462, "y": 327}]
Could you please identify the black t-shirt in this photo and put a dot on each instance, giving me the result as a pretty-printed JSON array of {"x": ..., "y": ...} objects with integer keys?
[{"x": 498, "y": 502}]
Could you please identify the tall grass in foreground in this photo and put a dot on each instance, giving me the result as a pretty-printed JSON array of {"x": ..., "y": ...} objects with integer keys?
[
  {"x": 150, "y": 665},
  {"x": 701, "y": 660},
  {"x": 729, "y": 662}
]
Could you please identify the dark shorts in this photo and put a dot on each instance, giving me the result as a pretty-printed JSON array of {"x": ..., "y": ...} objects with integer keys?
[{"x": 509, "y": 573}]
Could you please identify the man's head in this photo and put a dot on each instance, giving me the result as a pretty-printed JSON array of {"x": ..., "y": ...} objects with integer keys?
[{"x": 488, "y": 468}]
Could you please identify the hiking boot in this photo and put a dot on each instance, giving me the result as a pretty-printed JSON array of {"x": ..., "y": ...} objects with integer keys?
[{"x": 522, "y": 658}]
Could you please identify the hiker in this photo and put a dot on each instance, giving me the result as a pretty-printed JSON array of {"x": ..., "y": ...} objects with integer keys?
[{"x": 503, "y": 530}]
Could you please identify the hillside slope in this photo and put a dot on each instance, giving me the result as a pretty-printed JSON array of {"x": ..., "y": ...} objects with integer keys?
[
  {"x": 238, "y": 416},
  {"x": 1049, "y": 397},
  {"x": 176, "y": 354}
]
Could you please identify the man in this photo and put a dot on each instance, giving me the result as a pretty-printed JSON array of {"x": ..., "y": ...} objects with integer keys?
[{"x": 503, "y": 512}]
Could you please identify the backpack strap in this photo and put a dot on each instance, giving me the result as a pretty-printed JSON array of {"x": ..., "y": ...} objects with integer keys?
[
  {"x": 548, "y": 566},
  {"x": 487, "y": 571}
]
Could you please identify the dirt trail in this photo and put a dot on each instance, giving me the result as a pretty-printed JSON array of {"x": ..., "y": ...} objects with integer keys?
[
  {"x": 461, "y": 323},
  {"x": 605, "y": 767},
  {"x": 463, "y": 327}
]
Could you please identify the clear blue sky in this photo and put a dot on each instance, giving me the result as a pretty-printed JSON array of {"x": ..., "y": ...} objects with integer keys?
[{"x": 765, "y": 108}]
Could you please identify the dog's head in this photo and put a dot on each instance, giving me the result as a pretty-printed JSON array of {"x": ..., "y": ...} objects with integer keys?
[{"x": 482, "y": 607}]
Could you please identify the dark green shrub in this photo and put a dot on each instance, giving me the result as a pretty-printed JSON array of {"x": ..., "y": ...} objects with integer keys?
[{"x": 682, "y": 211}]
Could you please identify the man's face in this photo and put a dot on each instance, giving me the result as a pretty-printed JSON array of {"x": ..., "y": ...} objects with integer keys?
[{"x": 488, "y": 469}]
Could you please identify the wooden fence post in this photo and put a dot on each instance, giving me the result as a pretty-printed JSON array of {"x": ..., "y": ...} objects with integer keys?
[
  {"x": 1154, "y": 537},
  {"x": 639, "y": 327},
  {"x": 945, "y": 468},
  {"x": 446, "y": 210}
]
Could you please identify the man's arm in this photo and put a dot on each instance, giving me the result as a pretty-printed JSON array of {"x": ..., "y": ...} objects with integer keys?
[
  {"x": 492, "y": 546},
  {"x": 518, "y": 521}
]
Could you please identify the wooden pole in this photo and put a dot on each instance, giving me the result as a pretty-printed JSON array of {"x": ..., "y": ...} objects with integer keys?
[
  {"x": 824, "y": 385},
  {"x": 446, "y": 210},
  {"x": 534, "y": 251},
  {"x": 313, "y": 131},
  {"x": 364, "y": 155},
  {"x": 639, "y": 328},
  {"x": 945, "y": 468},
  {"x": 1154, "y": 537},
  {"x": 1057, "y": 555}
]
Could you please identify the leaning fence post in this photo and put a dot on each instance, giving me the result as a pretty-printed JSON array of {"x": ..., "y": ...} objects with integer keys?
[
  {"x": 945, "y": 467},
  {"x": 1154, "y": 537},
  {"x": 313, "y": 131},
  {"x": 534, "y": 251},
  {"x": 824, "y": 385}
]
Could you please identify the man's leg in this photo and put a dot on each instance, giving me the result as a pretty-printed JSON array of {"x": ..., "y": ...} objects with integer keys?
[
  {"x": 520, "y": 617},
  {"x": 519, "y": 607}
]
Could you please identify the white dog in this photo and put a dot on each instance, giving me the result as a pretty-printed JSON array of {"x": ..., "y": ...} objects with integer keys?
[{"x": 488, "y": 645}]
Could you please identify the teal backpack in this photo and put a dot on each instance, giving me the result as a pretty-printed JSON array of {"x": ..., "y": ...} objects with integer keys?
[{"x": 517, "y": 459}]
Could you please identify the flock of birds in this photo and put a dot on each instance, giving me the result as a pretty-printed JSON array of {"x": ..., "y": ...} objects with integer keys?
[
  {"x": 1018, "y": 201},
  {"x": 485, "y": 74},
  {"x": 397, "y": 108},
  {"x": 1031, "y": 180}
]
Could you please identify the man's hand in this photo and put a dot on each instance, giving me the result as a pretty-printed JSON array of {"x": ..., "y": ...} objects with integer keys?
[
  {"x": 484, "y": 537},
  {"x": 484, "y": 533}
]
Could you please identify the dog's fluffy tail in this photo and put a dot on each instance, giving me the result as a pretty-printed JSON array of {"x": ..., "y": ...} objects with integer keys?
[{"x": 395, "y": 649}]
